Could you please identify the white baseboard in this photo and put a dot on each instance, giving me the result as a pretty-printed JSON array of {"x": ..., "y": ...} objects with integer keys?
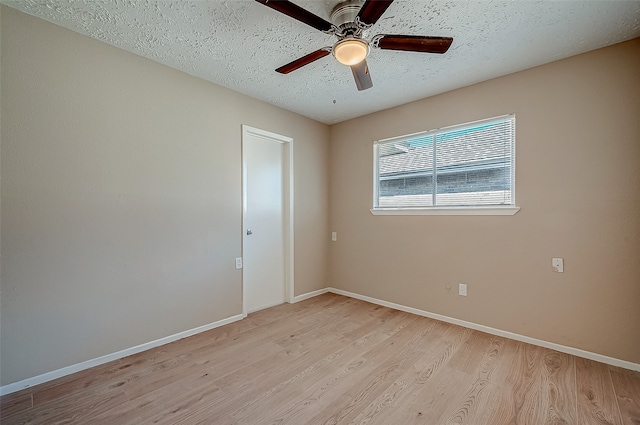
[
  {"x": 49, "y": 376},
  {"x": 309, "y": 295},
  {"x": 517, "y": 337},
  {"x": 59, "y": 373}
]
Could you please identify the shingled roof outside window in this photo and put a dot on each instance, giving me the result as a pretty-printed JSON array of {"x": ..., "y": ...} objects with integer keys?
[{"x": 467, "y": 165}]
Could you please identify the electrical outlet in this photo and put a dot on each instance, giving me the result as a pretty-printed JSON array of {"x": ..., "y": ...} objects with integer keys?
[
  {"x": 334, "y": 236},
  {"x": 558, "y": 265},
  {"x": 238, "y": 263},
  {"x": 462, "y": 289}
]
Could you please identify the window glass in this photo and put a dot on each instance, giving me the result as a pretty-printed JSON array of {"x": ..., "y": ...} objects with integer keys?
[{"x": 469, "y": 165}]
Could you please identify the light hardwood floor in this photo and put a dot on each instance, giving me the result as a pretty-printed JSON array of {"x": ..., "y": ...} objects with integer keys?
[{"x": 336, "y": 360}]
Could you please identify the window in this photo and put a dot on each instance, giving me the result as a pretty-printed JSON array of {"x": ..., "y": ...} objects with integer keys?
[{"x": 464, "y": 169}]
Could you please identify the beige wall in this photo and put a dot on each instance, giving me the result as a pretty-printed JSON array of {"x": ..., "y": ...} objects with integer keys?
[
  {"x": 578, "y": 186},
  {"x": 121, "y": 198}
]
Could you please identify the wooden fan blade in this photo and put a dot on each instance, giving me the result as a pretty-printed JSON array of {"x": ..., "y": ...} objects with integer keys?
[
  {"x": 305, "y": 60},
  {"x": 298, "y": 13},
  {"x": 361, "y": 75},
  {"x": 372, "y": 10},
  {"x": 415, "y": 43}
]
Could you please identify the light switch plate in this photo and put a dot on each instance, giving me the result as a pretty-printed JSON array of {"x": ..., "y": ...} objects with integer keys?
[
  {"x": 462, "y": 289},
  {"x": 238, "y": 263},
  {"x": 334, "y": 236},
  {"x": 558, "y": 265}
]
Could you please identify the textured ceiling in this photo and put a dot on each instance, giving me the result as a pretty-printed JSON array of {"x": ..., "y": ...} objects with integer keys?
[{"x": 238, "y": 44}]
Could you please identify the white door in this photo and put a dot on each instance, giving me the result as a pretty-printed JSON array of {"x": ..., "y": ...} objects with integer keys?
[{"x": 266, "y": 218}]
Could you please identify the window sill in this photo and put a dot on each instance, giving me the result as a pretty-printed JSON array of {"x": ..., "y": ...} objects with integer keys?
[{"x": 508, "y": 210}]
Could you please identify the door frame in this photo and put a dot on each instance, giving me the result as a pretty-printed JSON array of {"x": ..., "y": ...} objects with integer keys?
[{"x": 287, "y": 208}]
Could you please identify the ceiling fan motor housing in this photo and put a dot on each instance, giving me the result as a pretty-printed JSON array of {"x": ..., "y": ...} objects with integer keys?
[{"x": 344, "y": 15}]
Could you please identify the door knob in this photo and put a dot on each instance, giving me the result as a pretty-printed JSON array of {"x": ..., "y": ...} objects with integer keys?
[{"x": 249, "y": 232}]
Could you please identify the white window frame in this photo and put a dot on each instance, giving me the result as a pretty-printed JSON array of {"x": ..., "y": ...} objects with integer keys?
[{"x": 510, "y": 209}]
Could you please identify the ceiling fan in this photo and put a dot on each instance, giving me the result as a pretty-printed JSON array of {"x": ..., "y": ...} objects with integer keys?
[{"x": 348, "y": 22}]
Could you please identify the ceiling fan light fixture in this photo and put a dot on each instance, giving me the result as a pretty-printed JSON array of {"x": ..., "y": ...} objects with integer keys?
[{"x": 350, "y": 51}]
